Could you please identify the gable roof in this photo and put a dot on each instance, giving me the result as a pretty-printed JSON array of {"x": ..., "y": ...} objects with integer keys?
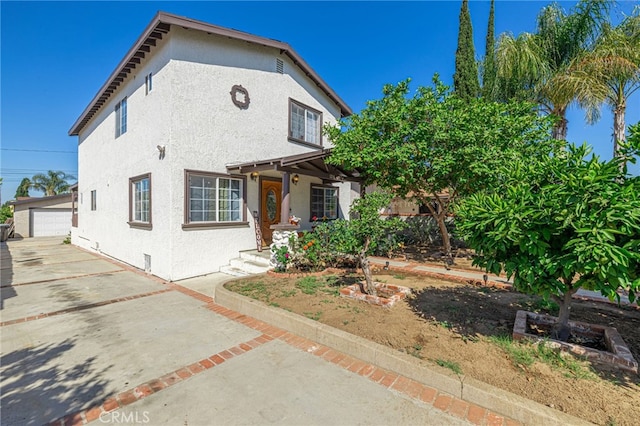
[{"x": 159, "y": 26}]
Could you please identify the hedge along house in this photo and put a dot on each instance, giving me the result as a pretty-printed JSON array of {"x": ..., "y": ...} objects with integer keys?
[{"x": 201, "y": 143}]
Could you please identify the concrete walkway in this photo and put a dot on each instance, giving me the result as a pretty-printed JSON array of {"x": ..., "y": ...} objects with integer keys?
[{"x": 87, "y": 339}]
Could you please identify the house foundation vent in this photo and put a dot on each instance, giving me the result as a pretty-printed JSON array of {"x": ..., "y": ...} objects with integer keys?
[
  {"x": 147, "y": 263},
  {"x": 279, "y": 66}
]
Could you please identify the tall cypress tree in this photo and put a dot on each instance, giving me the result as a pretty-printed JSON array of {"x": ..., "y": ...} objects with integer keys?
[
  {"x": 489, "y": 68},
  {"x": 23, "y": 188},
  {"x": 465, "y": 78}
]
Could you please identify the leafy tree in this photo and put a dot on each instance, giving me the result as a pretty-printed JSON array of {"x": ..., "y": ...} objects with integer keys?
[
  {"x": 561, "y": 223},
  {"x": 432, "y": 143},
  {"x": 51, "y": 183},
  {"x": 489, "y": 63},
  {"x": 23, "y": 188},
  {"x": 537, "y": 67},
  {"x": 465, "y": 78},
  {"x": 360, "y": 235},
  {"x": 5, "y": 212},
  {"x": 611, "y": 73}
]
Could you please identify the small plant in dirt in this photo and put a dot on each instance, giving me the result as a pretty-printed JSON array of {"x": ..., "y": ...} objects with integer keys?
[
  {"x": 254, "y": 289},
  {"x": 309, "y": 285},
  {"x": 415, "y": 351},
  {"x": 451, "y": 365},
  {"x": 313, "y": 316},
  {"x": 560, "y": 223},
  {"x": 525, "y": 354},
  {"x": 541, "y": 305}
]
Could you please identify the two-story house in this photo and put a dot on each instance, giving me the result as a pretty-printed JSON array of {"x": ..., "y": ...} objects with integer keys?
[{"x": 200, "y": 140}]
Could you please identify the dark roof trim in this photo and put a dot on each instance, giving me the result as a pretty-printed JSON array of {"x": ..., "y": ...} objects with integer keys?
[
  {"x": 38, "y": 199},
  {"x": 160, "y": 25},
  {"x": 310, "y": 164}
]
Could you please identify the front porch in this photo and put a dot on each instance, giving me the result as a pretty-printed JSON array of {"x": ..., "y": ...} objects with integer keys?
[{"x": 323, "y": 190}]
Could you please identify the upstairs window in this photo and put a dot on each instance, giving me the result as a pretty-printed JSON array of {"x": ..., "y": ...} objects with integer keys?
[
  {"x": 305, "y": 123},
  {"x": 324, "y": 202},
  {"x": 121, "y": 117},
  {"x": 93, "y": 200}
]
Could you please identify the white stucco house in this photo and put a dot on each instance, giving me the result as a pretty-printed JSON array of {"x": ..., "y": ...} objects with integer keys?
[{"x": 199, "y": 141}]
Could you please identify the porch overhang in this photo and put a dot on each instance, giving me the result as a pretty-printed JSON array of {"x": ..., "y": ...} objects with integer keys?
[{"x": 309, "y": 164}]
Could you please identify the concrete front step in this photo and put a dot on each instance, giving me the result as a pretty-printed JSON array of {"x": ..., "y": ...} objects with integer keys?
[
  {"x": 230, "y": 270},
  {"x": 249, "y": 266},
  {"x": 255, "y": 256}
]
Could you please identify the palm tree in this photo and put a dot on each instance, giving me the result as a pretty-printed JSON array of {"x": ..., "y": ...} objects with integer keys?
[
  {"x": 52, "y": 183},
  {"x": 536, "y": 66},
  {"x": 611, "y": 73}
]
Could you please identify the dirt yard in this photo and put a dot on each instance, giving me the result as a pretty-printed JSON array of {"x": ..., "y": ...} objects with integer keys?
[{"x": 466, "y": 329}]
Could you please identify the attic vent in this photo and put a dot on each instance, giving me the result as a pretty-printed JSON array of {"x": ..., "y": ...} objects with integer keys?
[{"x": 279, "y": 66}]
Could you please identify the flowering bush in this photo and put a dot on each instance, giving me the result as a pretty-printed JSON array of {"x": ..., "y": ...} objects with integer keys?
[{"x": 283, "y": 257}]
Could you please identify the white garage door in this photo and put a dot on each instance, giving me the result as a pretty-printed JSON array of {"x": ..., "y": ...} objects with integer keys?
[{"x": 50, "y": 222}]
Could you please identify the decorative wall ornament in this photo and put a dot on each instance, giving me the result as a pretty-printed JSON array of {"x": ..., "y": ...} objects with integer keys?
[{"x": 240, "y": 96}]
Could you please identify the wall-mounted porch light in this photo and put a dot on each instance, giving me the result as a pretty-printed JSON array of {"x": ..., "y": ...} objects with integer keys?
[
  {"x": 254, "y": 175},
  {"x": 295, "y": 179}
]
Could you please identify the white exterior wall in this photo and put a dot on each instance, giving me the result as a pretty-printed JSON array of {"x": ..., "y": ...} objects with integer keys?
[
  {"x": 190, "y": 112},
  {"x": 105, "y": 164}
]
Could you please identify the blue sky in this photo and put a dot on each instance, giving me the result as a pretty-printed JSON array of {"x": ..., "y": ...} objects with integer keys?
[{"x": 56, "y": 55}]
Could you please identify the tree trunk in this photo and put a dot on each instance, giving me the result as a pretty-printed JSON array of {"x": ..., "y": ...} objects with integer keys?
[
  {"x": 366, "y": 270},
  {"x": 618, "y": 127},
  {"x": 446, "y": 241},
  {"x": 560, "y": 129},
  {"x": 440, "y": 217},
  {"x": 562, "y": 330}
]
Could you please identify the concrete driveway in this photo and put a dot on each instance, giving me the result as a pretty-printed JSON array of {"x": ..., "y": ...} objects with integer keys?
[{"x": 87, "y": 339}]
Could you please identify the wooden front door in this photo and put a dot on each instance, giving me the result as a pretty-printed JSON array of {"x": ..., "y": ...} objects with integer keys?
[{"x": 270, "y": 203}]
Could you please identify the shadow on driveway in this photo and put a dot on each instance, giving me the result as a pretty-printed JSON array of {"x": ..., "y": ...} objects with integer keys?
[{"x": 37, "y": 389}]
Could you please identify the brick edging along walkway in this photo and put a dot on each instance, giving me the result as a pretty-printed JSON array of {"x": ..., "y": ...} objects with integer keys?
[
  {"x": 395, "y": 382},
  {"x": 82, "y": 307},
  {"x": 410, "y": 388}
]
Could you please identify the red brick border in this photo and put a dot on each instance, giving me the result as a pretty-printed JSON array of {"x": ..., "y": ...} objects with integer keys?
[
  {"x": 397, "y": 383},
  {"x": 415, "y": 390},
  {"x": 129, "y": 396},
  {"x": 73, "y": 277},
  {"x": 82, "y": 307}
]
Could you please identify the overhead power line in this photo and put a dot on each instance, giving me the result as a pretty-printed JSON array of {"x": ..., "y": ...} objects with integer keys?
[{"x": 39, "y": 150}]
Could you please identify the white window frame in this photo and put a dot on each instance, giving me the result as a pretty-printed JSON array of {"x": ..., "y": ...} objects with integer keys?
[
  {"x": 137, "y": 203},
  {"x": 121, "y": 117},
  {"x": 304, "y": 129},
  {"x": 327, "y": 202},
  {"x": 217, "y": 201}
]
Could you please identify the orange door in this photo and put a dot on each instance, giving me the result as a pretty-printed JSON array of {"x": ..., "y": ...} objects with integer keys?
[{"x": 270, "y": 202}]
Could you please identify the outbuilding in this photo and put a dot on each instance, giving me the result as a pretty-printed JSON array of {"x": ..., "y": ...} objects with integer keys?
[{"x": 42, "y": 216}]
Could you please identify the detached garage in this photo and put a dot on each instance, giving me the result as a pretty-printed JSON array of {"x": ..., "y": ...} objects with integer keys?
[{"x": 42, "y": 217}]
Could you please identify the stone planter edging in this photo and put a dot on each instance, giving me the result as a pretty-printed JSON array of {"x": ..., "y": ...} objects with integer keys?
[{"x": 620, "y": 355}]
